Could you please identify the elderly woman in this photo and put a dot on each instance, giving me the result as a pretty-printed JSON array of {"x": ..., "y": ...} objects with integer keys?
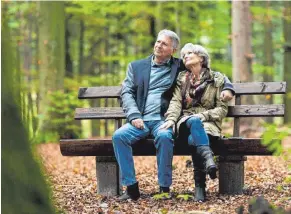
[{"x": 198, "y": 110}]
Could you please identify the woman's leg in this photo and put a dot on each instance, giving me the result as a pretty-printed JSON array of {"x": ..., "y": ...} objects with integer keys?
[{"x": 201, "y": 156}]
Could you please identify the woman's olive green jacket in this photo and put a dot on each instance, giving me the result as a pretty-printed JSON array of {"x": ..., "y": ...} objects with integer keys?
[{"x": 211, "y": 110}]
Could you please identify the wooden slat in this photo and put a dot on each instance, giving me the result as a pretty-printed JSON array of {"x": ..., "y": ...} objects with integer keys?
[
  {"x": 274, "y": 110},
  {"x": 240, "y": 88},
  {"x": 249, "y": 88},
  {"x": 99, "y": 113},
  {"x": 99, "y": 92},
  {"x": 233, "y": 111},
  {"x": 103, "y": 147}
]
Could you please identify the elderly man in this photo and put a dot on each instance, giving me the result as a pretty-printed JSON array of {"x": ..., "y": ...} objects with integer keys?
[{"x": 146, "y": 94}]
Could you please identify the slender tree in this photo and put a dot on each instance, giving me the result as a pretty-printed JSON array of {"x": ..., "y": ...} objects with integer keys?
[
  {"x": 268, "y": 52},
  {"x": 51, "y": 52},
  {"x": 241, "y": 42},
  {"x": 287, "y": 57},
  {"x": 23, "y": 187}
]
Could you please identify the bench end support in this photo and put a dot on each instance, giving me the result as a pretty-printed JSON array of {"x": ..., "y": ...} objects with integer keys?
[{"x": 107, "y": 174}]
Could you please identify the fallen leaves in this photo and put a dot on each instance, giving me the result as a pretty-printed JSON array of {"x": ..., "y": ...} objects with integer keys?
[{"x": 73, "y": 182}]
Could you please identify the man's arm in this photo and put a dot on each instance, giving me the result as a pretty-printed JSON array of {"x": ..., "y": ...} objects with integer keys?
[
  {"x": 228, "y": 91},
  {"x": 127, "y": 95},
  {"x": 228, "y": 85}
]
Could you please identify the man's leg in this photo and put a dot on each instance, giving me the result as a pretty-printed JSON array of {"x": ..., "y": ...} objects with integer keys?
[
  {"x": 164, "y": 144},
  {"x": 123, "y": 139}
]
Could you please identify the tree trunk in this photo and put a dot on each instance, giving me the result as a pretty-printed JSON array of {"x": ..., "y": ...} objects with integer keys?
[
  {"x": 22, "y": 183},
  {"x": 81, "y": 47},
  {"x": 268, "y": 54},
  {"x": 69, "y": 63},
  {"x": 51, "y": 52},
  {"x": 178, "y": 21},
  {"x": 287, "y": 61},
  {"x": 241, "y": 41},
  {"x": 241, "y": 47},
  {"x": 159, "y": 22}
]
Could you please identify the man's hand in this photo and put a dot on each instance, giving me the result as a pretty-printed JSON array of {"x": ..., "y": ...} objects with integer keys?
[
  {"x": 167, "y": 124},
  {"x": 226, "y": 95},
  {"x": 138, "y": 123}
]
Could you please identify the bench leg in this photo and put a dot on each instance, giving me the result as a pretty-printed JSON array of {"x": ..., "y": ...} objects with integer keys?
[
  {"x": 107, "y": 173},
  {"x": 231, "y": 174}
]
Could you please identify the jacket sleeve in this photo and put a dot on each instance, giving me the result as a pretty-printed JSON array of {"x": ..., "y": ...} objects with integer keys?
[
  {"x": 175, "y": 106},
  {"x": 128, "y": 94},
  {"x": 228, "y": 85},
  {"x": 218, "y": 112}
]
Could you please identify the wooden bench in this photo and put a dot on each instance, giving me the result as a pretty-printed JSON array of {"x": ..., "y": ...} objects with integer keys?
[{"x": 231, "y": 151}]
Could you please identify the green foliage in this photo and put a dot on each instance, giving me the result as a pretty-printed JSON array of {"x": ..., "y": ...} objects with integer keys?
[
  {"x": 279, "y": 188},
  {"x": 174, "y": 166},
  {"x": 287, "y": 180},
  {"x": 185, "y": 197},
  {"x": 59, "y": 120},
  {"x": 272, "y": 138},
  {"x": 60, "y": 117},
  {"x": 163, "y": 211},
  {"x": 162, "y": 196}
]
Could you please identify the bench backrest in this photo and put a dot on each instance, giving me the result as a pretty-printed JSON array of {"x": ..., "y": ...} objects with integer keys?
[{"x": 236, "y": 111}]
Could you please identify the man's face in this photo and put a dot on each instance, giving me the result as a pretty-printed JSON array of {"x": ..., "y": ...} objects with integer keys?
[{"x": 163, "y": 48}]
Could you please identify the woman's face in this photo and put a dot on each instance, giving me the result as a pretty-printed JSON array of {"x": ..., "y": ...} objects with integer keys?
[{"x": 192, "y": 61}]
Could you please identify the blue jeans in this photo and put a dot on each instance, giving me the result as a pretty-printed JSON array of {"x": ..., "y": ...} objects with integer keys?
[
  {"x": 198, "y": 136},
  {"x": 127, "y": 135}
]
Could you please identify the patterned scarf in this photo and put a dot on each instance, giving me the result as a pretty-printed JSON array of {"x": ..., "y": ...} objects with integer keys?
[{"x": 192, "y": 89}]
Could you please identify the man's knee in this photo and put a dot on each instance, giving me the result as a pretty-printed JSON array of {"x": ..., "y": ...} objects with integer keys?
[
  {"x": 119, "y": 136},
  {"x": 164, "y": 136},
  {"x": 116, "y": 137}
]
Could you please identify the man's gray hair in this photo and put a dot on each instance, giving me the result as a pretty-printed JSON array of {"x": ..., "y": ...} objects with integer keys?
[
  {"x": 199, "y": 51},
  {"x": 174, "y": 37}
]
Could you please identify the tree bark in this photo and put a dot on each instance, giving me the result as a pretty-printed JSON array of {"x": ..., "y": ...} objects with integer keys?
[
  {"x": 268, "y": 53},
  {"x": 81, "y": 47},
  {"x": 241, "y": 45},
  {"x": 287, "y": 61},
  {"x": 69, "y": 63},
  {"x": 51, "y": 52},
  {"x": 22, "y": 183},
  {"x": 241, "y": 41}
]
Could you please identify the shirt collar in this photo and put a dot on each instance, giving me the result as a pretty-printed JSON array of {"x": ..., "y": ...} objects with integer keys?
[{"x": 166, "y": 63}]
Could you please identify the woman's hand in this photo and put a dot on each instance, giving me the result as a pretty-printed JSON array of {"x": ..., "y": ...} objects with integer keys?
[
  {"x": 200, "y": 116},
  {"x": 167, "y": 124}
]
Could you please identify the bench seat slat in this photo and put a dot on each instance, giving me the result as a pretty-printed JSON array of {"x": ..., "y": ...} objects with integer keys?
[
  {"x": 247, "y": 88},
  {"x": 233, "y": 111},
  {"x": 103, "y": 147}
]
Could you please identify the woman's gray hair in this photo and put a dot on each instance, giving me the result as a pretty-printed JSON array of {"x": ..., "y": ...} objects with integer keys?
[
  {"x": 199, "y": 51},
  {"x": 174, "y": 37}
]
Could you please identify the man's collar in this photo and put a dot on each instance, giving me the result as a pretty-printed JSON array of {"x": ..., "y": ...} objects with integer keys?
[{"x": 167, "y": 62}]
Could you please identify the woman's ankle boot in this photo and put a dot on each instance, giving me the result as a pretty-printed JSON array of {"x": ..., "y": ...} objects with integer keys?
[
  {"x": 200, "y": 185},
  {"x": 206, "y": 153}
]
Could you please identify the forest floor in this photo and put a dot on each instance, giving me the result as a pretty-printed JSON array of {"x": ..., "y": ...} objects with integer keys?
[{"x": 73, "y": 184}]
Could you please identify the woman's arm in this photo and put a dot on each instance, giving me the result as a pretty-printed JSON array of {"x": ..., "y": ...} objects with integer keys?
[{"x": 217, "y": 113}]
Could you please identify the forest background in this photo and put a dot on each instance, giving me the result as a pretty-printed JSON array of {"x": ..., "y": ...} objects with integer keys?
[
  {"x": 57, "y": 47},
  {"x": 50, "y": 49}
]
